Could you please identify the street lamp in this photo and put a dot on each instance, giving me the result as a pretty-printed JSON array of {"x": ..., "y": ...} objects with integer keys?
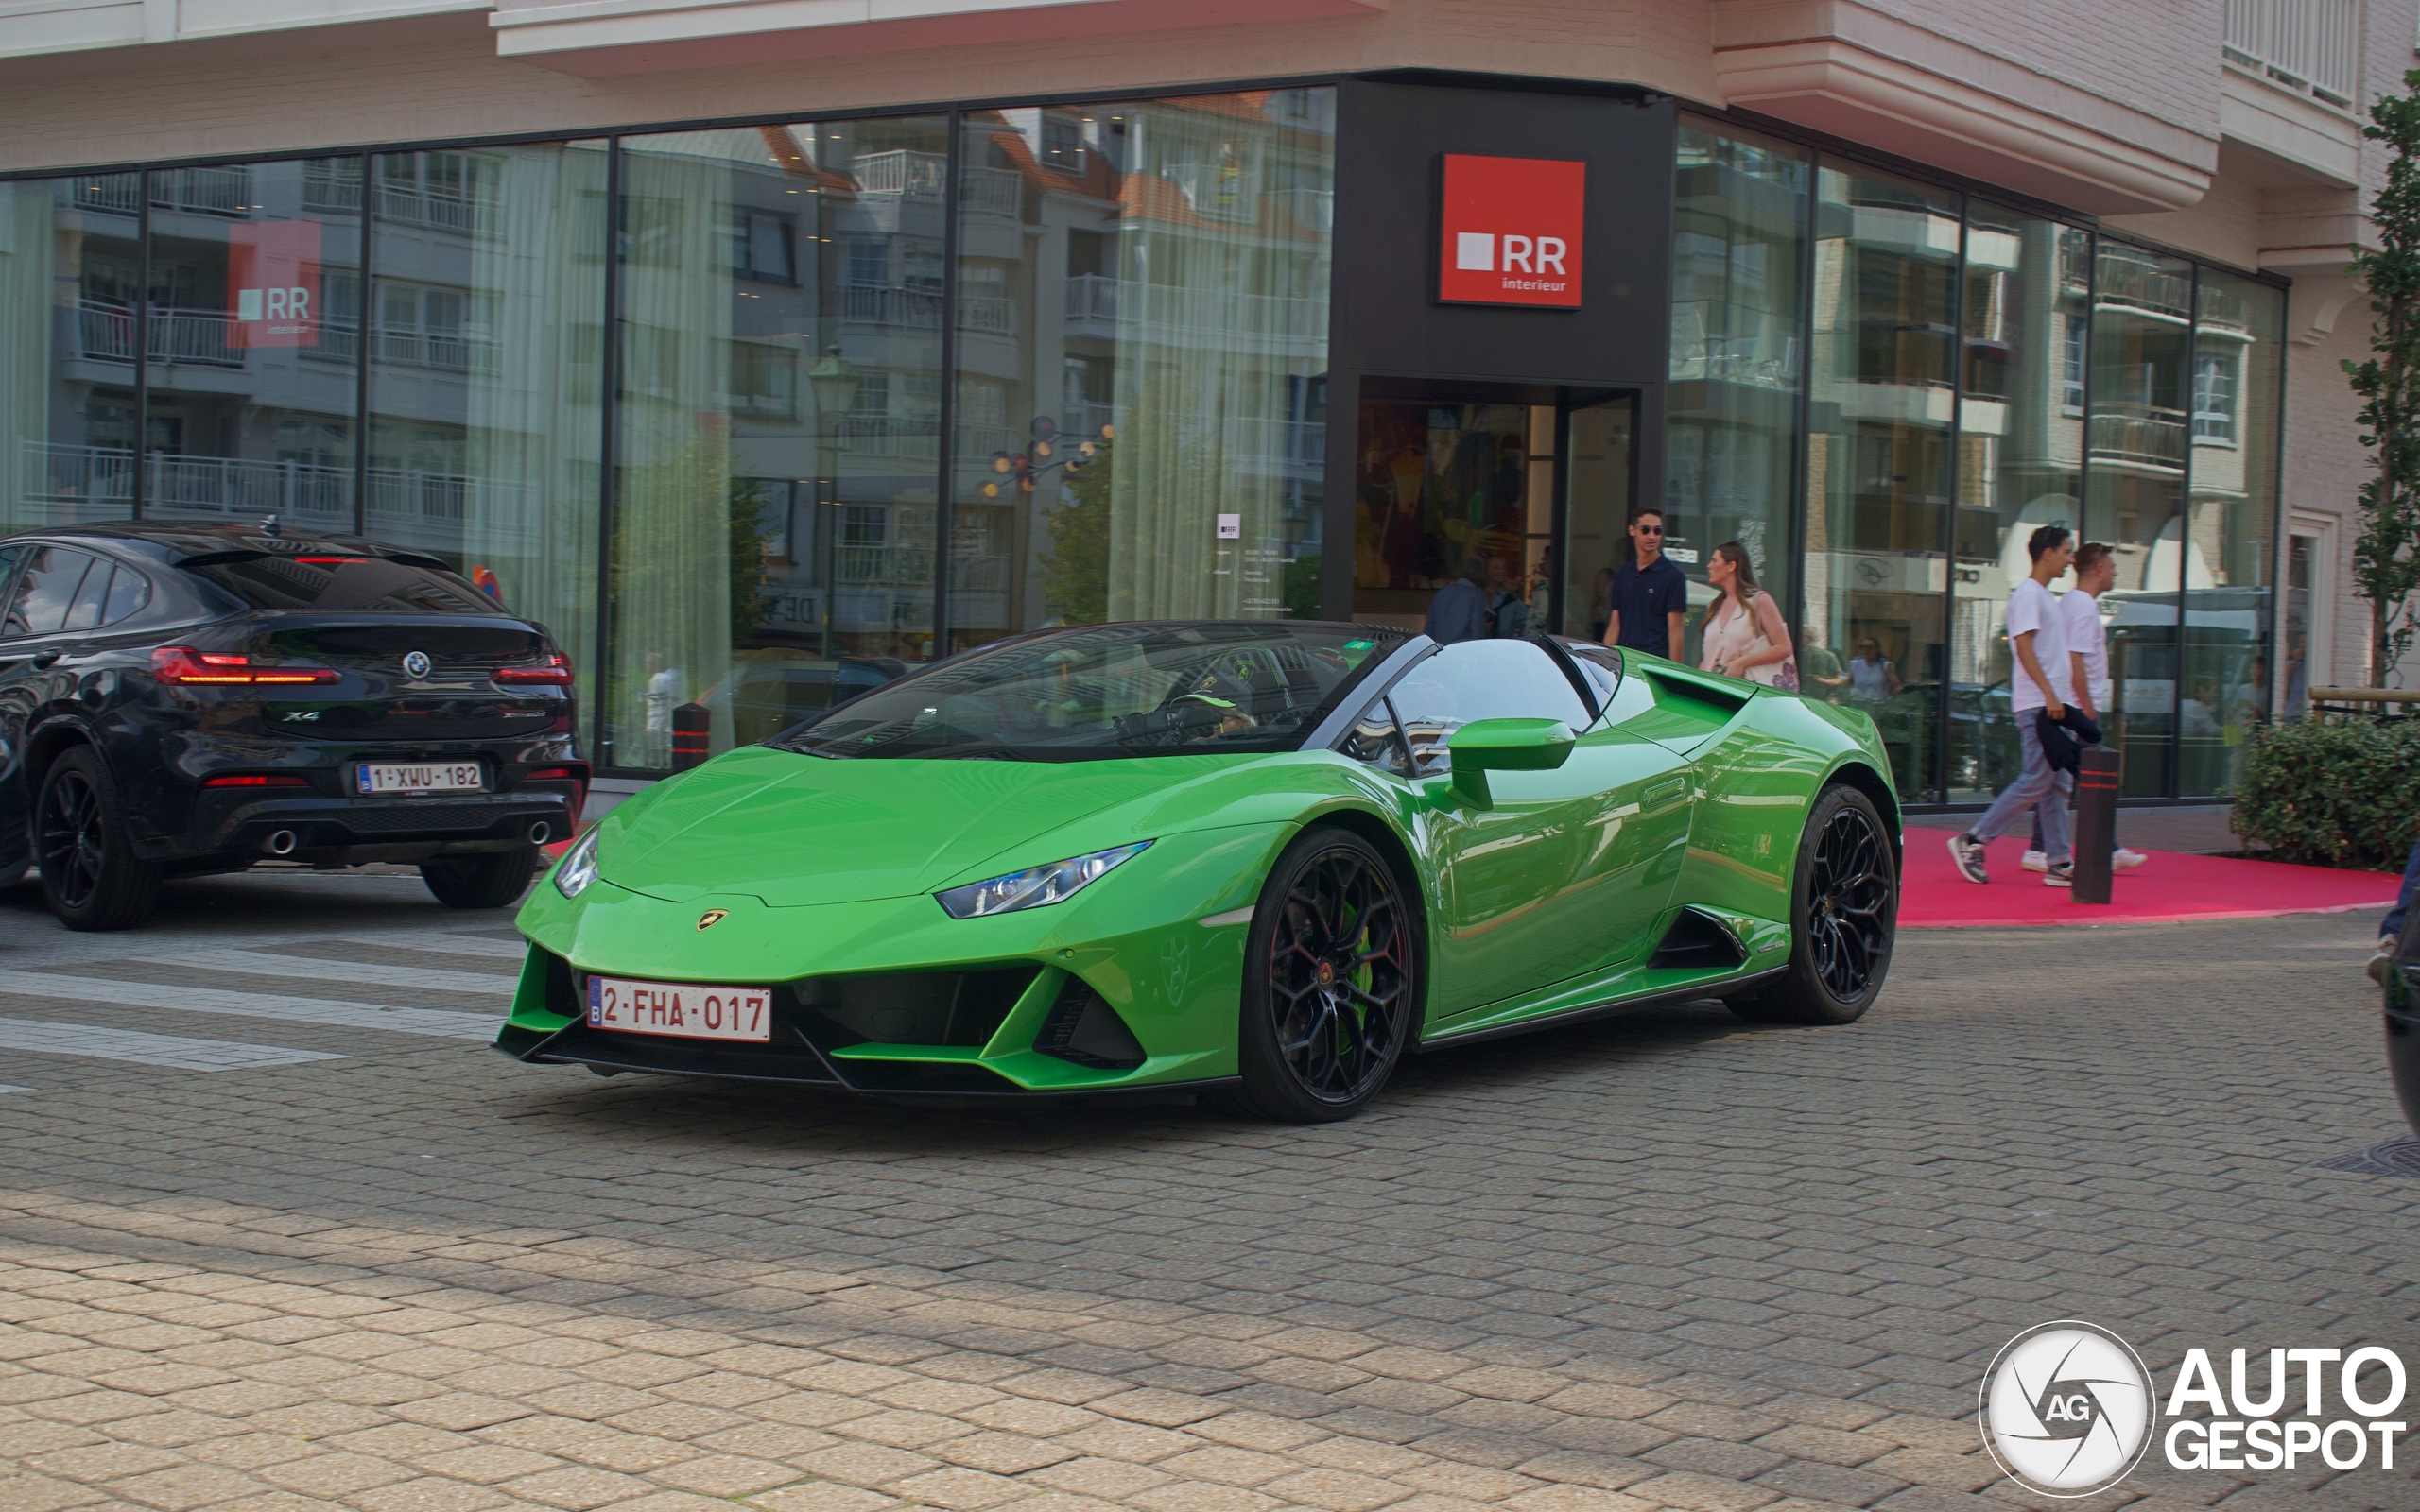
[{"x": 835, "y": 385}]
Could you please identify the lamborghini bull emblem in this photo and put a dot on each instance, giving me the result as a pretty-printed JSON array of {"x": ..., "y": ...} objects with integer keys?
[{"x": 713, "y": 916}]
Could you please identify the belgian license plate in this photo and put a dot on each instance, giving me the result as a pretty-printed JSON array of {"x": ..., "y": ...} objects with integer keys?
[
  {"x": 381, "y": 778},
  {"x": 683, "y": 1009}
]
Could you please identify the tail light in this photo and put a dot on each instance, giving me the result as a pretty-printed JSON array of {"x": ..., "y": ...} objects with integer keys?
[
  {"x": 248, "y": 781},
  {"x": 565, "y": 774},
  {"x": 183, "y": 665},
  {"x": 554, "y": 671}
]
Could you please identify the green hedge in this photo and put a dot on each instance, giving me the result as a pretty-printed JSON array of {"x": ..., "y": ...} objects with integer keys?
[{"x": 2341, "y": 794}]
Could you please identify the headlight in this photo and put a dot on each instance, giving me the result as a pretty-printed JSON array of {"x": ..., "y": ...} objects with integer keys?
[
  {"x": 578, "y": 868},
  {"x": 1036, "y": 886}
]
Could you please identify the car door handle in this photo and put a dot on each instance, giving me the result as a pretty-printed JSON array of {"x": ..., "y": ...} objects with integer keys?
[
  {"x": 44, "y": 661},
  {"x": 1670, "y": 787}
]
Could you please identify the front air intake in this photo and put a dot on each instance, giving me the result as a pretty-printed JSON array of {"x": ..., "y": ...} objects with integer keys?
[
  {"x": 1699, "y": 942},
  {"x": 1085, "y": 1029}
]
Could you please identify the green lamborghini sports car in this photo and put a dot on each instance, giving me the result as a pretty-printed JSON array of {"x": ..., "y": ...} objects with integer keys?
[{"x": 1260, "y": 860}]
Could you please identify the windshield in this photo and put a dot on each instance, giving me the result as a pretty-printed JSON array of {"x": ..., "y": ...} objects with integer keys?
[{"x": 1099, "y": 692}]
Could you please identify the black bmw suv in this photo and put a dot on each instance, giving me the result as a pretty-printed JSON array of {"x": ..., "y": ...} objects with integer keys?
[{"x": 178, "y": 698}]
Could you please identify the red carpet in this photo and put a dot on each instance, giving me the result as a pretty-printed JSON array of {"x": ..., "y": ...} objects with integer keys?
[{"x": 2169, "y": 887}]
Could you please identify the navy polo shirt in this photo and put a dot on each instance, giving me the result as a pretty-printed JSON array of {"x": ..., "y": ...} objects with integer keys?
[{"x": 1644, "y": 598}]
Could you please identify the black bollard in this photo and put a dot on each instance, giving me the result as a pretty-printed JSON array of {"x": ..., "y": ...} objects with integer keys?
[
  {"x": 2096, "y": 822},
  {"x": 690, "y": 725}
]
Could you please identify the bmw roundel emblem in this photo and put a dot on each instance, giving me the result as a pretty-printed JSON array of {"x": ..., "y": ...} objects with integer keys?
[{"x": 416, "y": 664}]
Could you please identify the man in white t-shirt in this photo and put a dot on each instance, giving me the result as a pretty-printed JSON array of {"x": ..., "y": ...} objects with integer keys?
[
  {"x": 2088, "y": 650},
  {"x": 2041, "y": 681}
]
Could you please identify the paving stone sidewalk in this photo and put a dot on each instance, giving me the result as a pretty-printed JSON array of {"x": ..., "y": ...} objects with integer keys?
[{"x": 1664, "y": 1262}]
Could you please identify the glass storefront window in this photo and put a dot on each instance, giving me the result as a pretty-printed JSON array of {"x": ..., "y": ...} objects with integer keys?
[
  {"x": 2020, "y": 459},
  {"x": 2136, "y": 436},
  {"x": 774, "y": 510},
  {"x": 1738, "y": 369},
  {"x": 485, "y": 341},
  {"x": 253, "y": 326},
  {"x": 70, "y": 261},
  {"x": 1140, "y": 400},
  {"x": 1879, "y": 453},
  {"x": 2231, "y": 430}
]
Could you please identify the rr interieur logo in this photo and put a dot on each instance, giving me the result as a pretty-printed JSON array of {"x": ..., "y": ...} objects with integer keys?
[{"x": 1512, "y": 230}]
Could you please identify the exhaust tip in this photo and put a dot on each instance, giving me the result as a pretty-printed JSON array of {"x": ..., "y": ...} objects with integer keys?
[
  {"x": 541, "y": 833},
  {"x": 282, "y": 843}
]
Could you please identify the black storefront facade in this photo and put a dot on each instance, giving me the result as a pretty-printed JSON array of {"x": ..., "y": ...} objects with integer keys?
[{"x": 754, "y": 413}]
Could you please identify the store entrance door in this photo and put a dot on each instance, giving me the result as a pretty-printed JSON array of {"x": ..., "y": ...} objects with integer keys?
[{"x": 1467, "y": 479}]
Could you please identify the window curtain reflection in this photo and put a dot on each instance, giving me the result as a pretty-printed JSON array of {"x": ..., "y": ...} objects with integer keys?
[
  {"x": 1737, "y": 365},
  {"x": 670, "y": 578},
  {"x": 2137, "y": 434},
  {"x": 1881, "y": 454},
  {"x": 2020, "y": 456},
  {"x": 1141, "y": 422},
  {"x": 2231, "y": 430},
  {"x": 69, "y": 277},
  {"x": 485, "y": 323},
  {"x": 1221, "y": 296},
  {"x": 26, "y": 325}
]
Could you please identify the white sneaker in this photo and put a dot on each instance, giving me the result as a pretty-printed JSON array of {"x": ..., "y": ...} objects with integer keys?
[
  {"x": 2121, "y": 859},
  {"x": 2035, "y": 860}
]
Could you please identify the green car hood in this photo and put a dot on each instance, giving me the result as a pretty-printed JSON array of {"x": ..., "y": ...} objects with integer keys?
[{"x": 797, "y": 830}]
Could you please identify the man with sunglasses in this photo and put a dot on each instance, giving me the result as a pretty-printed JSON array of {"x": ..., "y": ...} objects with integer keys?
[{"x": 1650, "y": 593}]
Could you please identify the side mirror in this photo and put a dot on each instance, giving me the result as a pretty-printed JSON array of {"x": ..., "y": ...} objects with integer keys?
[
  {"x": 1485, "y": 745},
  {"x": 1511, "y": 745}
]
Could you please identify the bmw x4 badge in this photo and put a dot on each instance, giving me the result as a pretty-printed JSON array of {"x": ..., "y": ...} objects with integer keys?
[{"x": 416, "y": 664}]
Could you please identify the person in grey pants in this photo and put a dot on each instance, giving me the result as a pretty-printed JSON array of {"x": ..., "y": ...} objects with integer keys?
[{"x": 2041, "y": 685}]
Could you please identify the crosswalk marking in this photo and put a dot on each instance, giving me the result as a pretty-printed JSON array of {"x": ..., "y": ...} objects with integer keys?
[
  {"x": 501, "y": 950},
  {"x": 439, "y": 1021},
  {"x": 146, "y": 1049},
  {"x": 292, "y": 969}
]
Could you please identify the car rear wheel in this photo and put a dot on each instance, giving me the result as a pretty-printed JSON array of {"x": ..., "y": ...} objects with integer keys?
[
  {"x": 495, "y": 880},
  {"x": 1331, "y": 982},
  {"x": 1844, "y": 913},
  {"x": 89, "y": 877}
]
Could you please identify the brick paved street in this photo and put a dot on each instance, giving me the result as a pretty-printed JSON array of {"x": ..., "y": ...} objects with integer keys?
[{"x": 285, "y": 1234}]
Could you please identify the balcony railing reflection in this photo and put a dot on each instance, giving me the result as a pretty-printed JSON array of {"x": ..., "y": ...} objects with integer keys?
[
  {"x": 2310, "y": 47},
  {"x": 2139, "y": 285},
  {"x": 398, "y": 495},
  {"x": 2143, "y": 436},
  {"x": 922, "y": 178},
  {"x": 119, "y": 194},
  {"x": 1139, "y": 311},
  {"x": 243, "y": 488},
  {"x": 416, "y": 207},
  {"x": 105, "y": 332},
  {"x": 211, "y": 190},
  {"x": 100, "y": 475},
  {"x": 919, "y": 309}
]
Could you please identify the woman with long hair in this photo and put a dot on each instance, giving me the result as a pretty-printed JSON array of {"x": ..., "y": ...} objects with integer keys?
[{"x": 1743, "y": 632}]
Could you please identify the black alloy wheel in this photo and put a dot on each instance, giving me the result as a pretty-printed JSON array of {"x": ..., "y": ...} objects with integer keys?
[
  {"x": 1331, "y": 981},
  {"x": 89, "y": 877},
  {"x": 1851, "y": 889},
  {"x": 1845, "y": 916}
]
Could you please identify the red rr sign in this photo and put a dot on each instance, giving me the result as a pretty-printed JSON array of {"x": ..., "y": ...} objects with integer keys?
[
  {"x": 1511, "y": 231},
  {"x": 274, "y": 284}
]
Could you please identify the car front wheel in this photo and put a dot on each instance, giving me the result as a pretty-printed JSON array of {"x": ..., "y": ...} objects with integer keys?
[
  {"x": 89, "y": 877},
  {"x": 1331, "y": 982},
  {"x": 1844, "y": 914}
]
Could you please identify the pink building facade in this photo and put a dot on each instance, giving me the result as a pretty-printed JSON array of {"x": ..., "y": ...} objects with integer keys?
[{"x": 763, "y": 348}]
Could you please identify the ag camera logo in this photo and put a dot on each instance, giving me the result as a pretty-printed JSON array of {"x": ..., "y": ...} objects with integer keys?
[{"x": 2066, "y": 1409}]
